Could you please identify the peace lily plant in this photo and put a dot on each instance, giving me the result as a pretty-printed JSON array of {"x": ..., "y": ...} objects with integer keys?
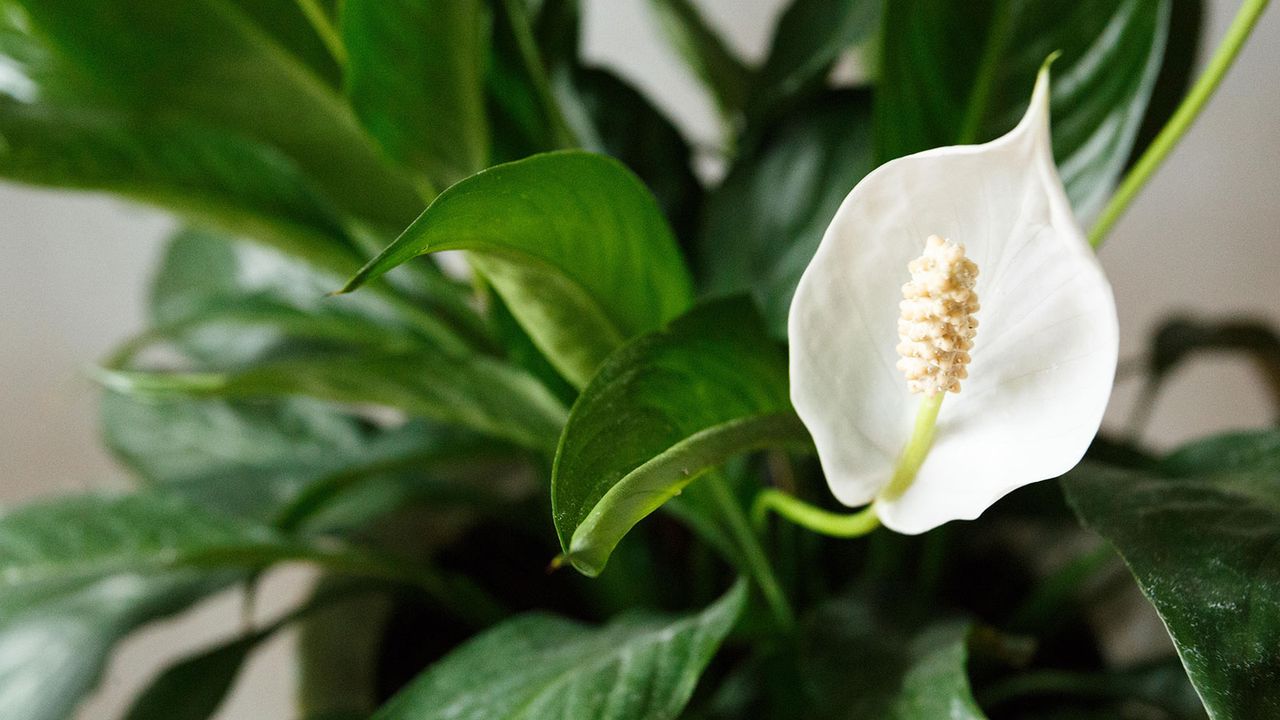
[{"x": 632, "y": 464}]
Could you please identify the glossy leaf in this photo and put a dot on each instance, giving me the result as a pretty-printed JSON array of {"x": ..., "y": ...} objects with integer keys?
[
  {"x": 415, "y": 76},
  {"x": 469, "y": 391},
  {"x": 1199, "y": 533},
  {"x": 636, "y": 667},
  {"x": 809, "y": 38},
  {"x": 662, "y": 410},
  {"x": 574, "y": 244},
  {"x": 935, "y": 91},
  {"x": 725, "y": 77},
  {"x": 761, "y": 227},
  {"x": 53, "y": 652},
  {"x": 202, "y": 63}
]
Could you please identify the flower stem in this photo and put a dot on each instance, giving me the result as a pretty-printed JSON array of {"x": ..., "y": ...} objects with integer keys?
[
  {"x": 811, "y": 517},
  {"x": 1182, "y": 119},
  {"x": 917, "y": 447},
  {"x": 752, "y": 553}
]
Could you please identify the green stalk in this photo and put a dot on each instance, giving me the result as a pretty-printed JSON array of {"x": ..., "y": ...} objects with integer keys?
[
  {"x": 811, "y": 517},
  {"x": 1186, "y": 114},
  {"x": 757, "y": 564},
  {"x": 851, "y": 525}
]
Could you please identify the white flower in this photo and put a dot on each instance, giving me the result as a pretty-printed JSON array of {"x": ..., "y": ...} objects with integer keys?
[{"x": 1034, "y": 383}]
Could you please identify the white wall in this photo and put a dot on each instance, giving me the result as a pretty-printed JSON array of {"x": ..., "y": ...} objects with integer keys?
[{"x": 73, "y": 268}]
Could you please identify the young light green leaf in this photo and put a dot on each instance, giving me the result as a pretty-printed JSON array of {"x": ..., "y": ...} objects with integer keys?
[
  {"x": 934, "y": 91},
  {"x": 1199, "y": 533},
  {"x": 573, "y": 242},
  {"x": 537, "y": 665},
  {"x": 474, "y": 392},
  {"x": 761, "y": 227},
  {"x": 662, "y": 410},
  {"x": 808, "y": 39},
  {"x": 415, "y": 76},
  {"x": 725, "y": 76}
]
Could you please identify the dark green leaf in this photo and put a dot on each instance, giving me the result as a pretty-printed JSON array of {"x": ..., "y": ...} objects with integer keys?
[
  {"x": 48, "y": 547},
  {"x": 611, "y": 117},
  {"x": 725, "y": 76},
  {"x": 53, "y": 652},
  {"x": 288, "y": 24},
  {"x": 663, "y": 409},
  {"x": 228, "y": 303},
  {"x": 198, "y": 63},
  {"x": 194, "y": 688},
  {"x": 635, "y": 668},
  {"x": 935, "y": 90},
  {"x": 809, "y": 38},
  {"x": 287, "y": 461},
  {"x": 762, "y": 225},
  {"x": 415, "y": 76},
  {"x": 469, "y": 391},
  {"x": 573, "y": 243},
  {"x": 919, "y": 675},
  {"x": 1200, "y": 534},
  {"x": 523, "y": 110}
]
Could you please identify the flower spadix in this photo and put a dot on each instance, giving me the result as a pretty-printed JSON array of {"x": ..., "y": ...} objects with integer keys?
[{"x": 886, "y": 323}]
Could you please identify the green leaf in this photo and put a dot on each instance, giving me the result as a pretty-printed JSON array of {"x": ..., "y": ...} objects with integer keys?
[
  {"x": 468, "y": 391},
  {"x": 917, "y": 675},
  {"x": 204, "y": 63},
  {"x": 574, "y": 244},
  {"x": 761, "y": 227},
  {"x": 415, "y": 76},
  {"x": 289, "y": 25},
  {"x": 203, "y": 173},
  {"x": 228, "y": 303},
  {"x": 636, "y": 667},
  {"x": 611, "y": 117},
  {"x": 935, "y": 91},
  {"x": 54, "y": 651},
  {"x": 49, "y": 546},
  {"x": 285, "y": 461},
  {"x": 725, "y": 76},
  {"x": 809, "y": 38},
  {"x": 78, "y": 574},
  {"x": 1199, "y": 533},
  {"x": 662, "y": 410},
  {"x": 195, "y": 687}
]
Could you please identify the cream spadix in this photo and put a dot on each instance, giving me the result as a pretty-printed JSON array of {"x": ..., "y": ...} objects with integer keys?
[{"x": 1024, "y": 395}]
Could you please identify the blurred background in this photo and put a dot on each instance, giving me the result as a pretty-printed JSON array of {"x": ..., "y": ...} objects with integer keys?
[{"x": 1202, "y": 240}]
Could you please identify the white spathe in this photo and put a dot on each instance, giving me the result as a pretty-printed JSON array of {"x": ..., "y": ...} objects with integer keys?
[{"x": 1045, "y": 353}]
